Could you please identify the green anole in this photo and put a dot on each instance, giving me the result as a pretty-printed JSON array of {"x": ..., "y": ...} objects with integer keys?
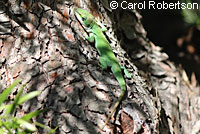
[{"x": 107, "y": 57}]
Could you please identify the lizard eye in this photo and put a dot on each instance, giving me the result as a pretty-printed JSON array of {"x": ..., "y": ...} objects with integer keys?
[{"x": 83, "y": 19}]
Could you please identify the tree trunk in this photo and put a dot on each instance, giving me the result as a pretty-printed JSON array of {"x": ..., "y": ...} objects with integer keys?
[{"x": 42, "y": 43}]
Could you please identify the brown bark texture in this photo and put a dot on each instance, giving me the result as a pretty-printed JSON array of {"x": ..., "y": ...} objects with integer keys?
[{"x": 42, "y": 43}]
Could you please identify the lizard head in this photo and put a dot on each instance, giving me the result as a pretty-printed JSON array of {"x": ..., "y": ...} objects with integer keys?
[{"x": 84, "y": 17}]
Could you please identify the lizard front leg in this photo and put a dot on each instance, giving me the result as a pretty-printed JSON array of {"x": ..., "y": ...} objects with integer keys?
[
  {"x": 90, "y": 38},
  {"x": 103, "y": 28}
]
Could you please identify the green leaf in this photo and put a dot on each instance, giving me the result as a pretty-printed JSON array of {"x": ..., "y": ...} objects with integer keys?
[
  {"x": 14, "y": 105},
  {"x": 31, "y": 115},
  {"x": 8, "y": 108},
  {"x": 1, "y": 131},
  {"x": 26, "y": 125},
  {"x": 41, "y": 125},
  {"x": 28, "y": 96},
  {"x": 6, "y": 92},
  {"x": 4, "y": 106},
  {"x": 198, "y": 21},
  {"x": 53, "y": 131},
  {"x": 190, "y": 16},
  {"x": 6, "y": 127},
  {"x": 22, "y": 132}
]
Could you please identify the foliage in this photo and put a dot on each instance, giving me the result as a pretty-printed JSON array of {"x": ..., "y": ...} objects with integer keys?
[
  {"x": 10, "y": 124},
  {"x": 191, "y": 16}
]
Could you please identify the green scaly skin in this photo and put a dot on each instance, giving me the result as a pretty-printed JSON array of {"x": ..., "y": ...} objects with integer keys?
[{"x": 107, "y": 57}]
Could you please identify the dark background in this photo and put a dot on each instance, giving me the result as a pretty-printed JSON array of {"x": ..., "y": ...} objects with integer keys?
[{"x": 180, "y": 40}]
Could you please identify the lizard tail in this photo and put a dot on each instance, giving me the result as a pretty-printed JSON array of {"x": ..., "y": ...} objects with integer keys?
[
  {"x": 114, "y": 108},
  {"x": 118, "y": 74}
]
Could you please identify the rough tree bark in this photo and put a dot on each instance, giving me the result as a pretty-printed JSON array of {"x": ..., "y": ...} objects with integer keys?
[{"x": 42, "y": 43}]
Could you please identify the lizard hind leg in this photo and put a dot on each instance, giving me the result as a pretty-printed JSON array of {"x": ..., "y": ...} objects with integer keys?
[
  {"x": 116, "y": 69},
  {"x": 90, "y": 38},
  {"x": 103, "y": 62},
  {"x": 126, "y": 71},
  {"x": 103, "y": 28}
]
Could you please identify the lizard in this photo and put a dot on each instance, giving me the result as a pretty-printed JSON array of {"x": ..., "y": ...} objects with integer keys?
[{"x": 107, "y": 57}]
